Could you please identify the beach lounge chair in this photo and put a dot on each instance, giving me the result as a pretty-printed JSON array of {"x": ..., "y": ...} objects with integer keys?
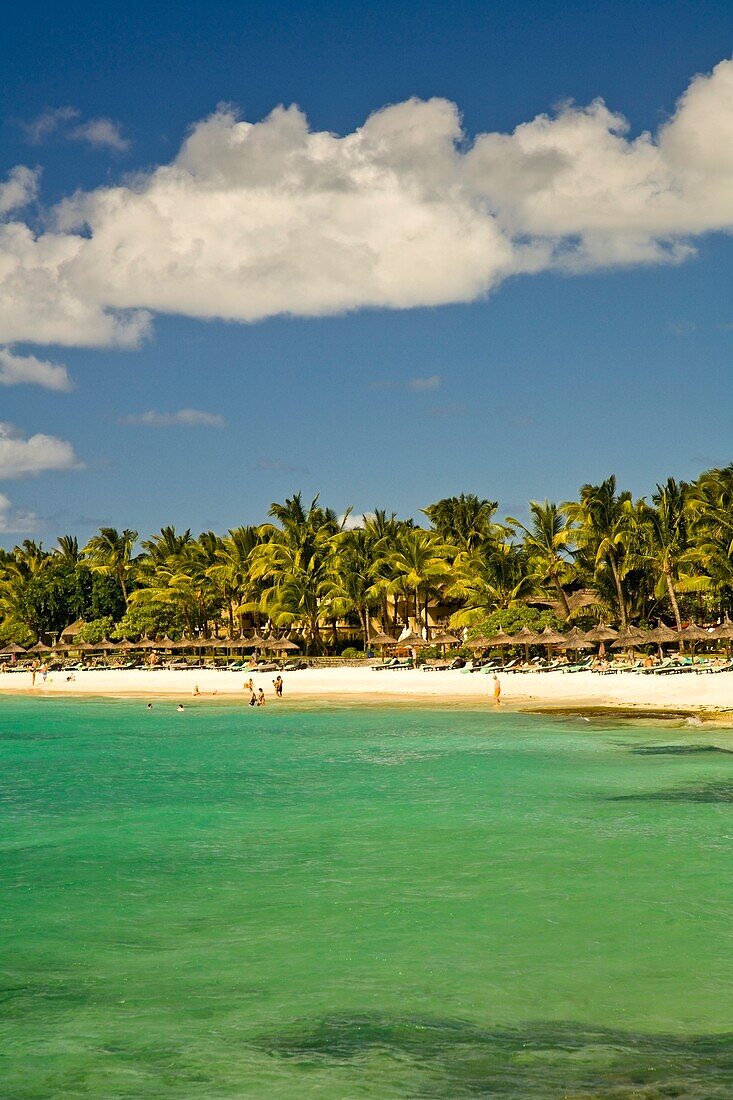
[
  {"x": 444, "y": 666},
  {"x": 581, "y": 666}
]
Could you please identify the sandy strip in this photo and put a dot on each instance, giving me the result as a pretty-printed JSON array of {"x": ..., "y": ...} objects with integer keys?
[{"x": 687, "y": 693}]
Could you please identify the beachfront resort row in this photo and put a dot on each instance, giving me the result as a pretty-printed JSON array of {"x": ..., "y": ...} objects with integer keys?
[{"x": 604, "y": 580}]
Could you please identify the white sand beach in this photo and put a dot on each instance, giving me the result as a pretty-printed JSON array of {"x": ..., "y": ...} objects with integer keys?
[{"x": 687, "y": 692}]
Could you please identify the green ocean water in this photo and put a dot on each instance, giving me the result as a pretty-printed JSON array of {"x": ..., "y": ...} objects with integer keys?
[{"x": 345, "y": 902}]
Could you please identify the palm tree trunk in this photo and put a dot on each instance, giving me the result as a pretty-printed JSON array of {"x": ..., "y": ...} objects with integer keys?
[
  {"x": 619, "y": 595},
  {"x": 673, "y": 600},
  {"x": 364, "y": 627},
  {"x": 563, "y": 599}
]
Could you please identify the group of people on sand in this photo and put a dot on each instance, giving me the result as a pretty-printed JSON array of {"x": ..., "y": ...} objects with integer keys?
[
  {"x": 257, "y": 695},
  {"x": 36, "y": 670}
]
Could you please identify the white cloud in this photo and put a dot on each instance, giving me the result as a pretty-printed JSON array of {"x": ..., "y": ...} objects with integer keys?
[
  {"x": 16, "y": 370},
  {"x": 19, "y": 189},
  {"x": 352, "y": 521},
  {"x": 100, "y": 133},
  {"x": 50, "y": 120},
  {"x": 253, "y": 220},
  {"x": 38, "y": 453},
  {"x": 188, "y": 418},
  {"x": 15, "y": 521},
  {"x": 425, "y": 385},
  {"x": 65, "y": 123}
]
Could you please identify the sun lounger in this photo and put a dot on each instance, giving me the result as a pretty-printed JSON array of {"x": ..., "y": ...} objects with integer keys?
[{"x": 444, "y": 666}]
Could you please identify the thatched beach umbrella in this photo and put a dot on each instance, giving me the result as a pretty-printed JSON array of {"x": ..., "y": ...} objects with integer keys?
[
  {"x": 499, "y": 641},
  {"x": 413, "y": 640},
  {"x": 576, "y": 639},
  {"x": 380, "y": 640},
  {"x": 662, "y": 635},
  {"x": 284, "y": 645},
  {"x": 40, "y": 647},
  {"x": 527, "y": 638},
  {"x": 549, "y": 638},
  {"x": 602, "y": 633},
  {"x": 694, "y": 633},
  {"x": 631, "y": 638},
  {"x": 724, "y": 633},
  {"x": 12, "y": 649},
  {"x": 255, "y": 642},
  {"x": 443, "y": 639},
  {"x": 480, "y": 642}
]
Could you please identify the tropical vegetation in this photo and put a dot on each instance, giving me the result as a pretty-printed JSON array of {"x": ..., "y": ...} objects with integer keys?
[{"x": 332, "y": 582}]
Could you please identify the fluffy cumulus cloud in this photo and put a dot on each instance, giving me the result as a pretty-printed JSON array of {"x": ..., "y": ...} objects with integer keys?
[
  {"x": 251, "y": 220},
  {"x": 14, "y": 521},
  {"x": 186, "y": 418},
  {"x": 21, "y": 456},
  {"x": 18, "y": 189},
  {"x": 16, "y": 370}
]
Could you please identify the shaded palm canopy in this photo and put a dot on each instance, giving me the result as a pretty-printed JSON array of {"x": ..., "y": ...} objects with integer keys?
[{"x": 602, "y": 563}]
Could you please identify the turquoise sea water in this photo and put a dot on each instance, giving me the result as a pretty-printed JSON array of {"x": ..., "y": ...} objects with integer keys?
[{"x": 344, "y": 902}]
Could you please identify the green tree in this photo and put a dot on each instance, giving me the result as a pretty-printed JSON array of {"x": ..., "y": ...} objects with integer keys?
[
  {"x": 546, "y": 542},
  {"x": 465, "y": 520},
  {"x": 110, "y": 553},
  {"x": 605, "y": 526}
]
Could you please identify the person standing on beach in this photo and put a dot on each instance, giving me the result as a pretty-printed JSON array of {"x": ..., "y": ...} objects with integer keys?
[
  {"x": 497, "y": 691},
  {"x": 34, "y": 670},
  {"x": 278, "y": 682}
]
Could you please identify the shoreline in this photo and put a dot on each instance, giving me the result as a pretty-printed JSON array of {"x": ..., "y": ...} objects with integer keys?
[{"x": 623, "y": 696}]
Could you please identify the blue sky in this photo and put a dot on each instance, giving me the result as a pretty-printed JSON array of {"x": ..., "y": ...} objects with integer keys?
[{"x": 526, "y": 391}]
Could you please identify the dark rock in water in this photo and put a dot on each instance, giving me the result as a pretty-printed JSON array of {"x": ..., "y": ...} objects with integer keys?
[
  {"x": 678, "y": 750},
  {"x": 710, "y": 792},
  {"x": 455, "y": 1058}
]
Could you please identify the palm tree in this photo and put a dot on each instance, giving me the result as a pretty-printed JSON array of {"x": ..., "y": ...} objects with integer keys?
[
  {"x": 488, "y": 581},
  {"x": 664, "y": 539},
  {"x": 605, "y": 527},
  {"x": 465, "y": 520},
  {"x": 166, "y": 544},
  {"x": 353, "y": 584},
  {"x": 68, "y": 549},
  {"x": 110, "y": 553},
  {"x": 420, "y": 566},
  {"x": 546, "y": 542},
  {"x": 293, "y": 563},
  {"x": 710, "y": 503}
]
